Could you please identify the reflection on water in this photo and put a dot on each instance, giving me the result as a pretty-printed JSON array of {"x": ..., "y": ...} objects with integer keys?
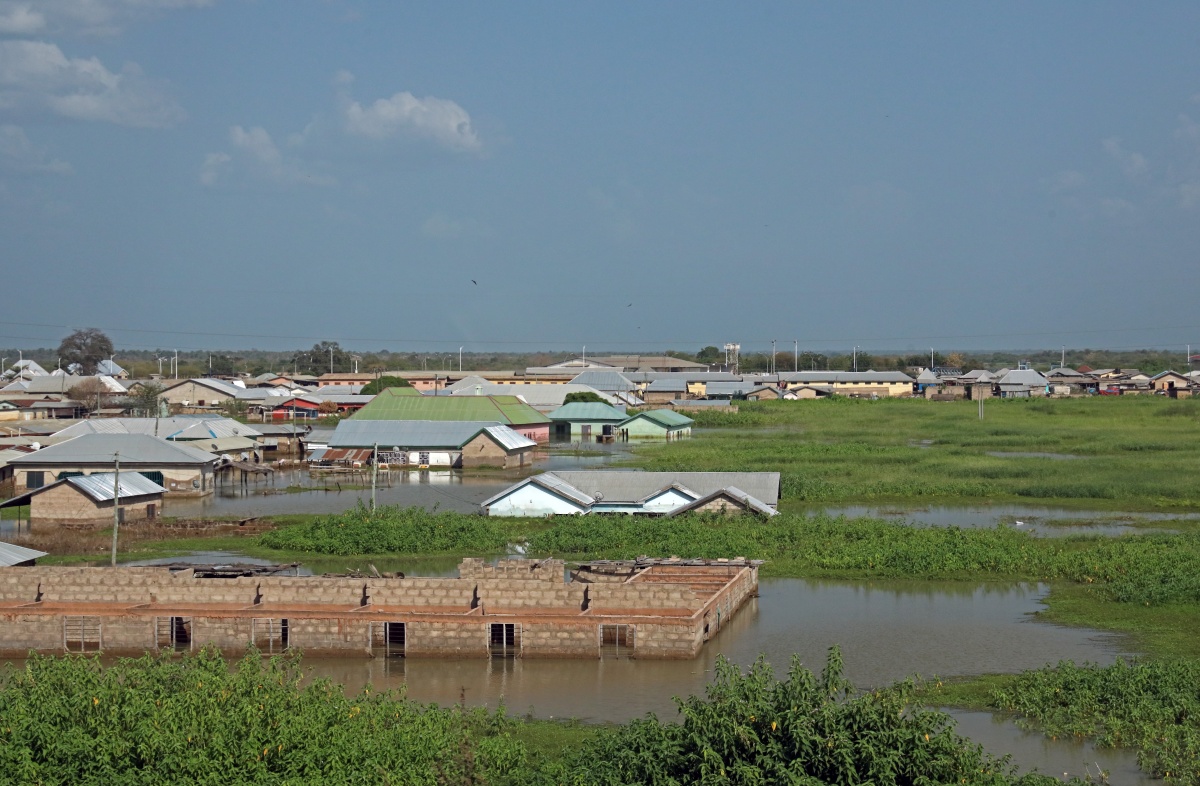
[
  {"x": 1031, "y": 517},
  {"x": 1034, "y": 750},
  {"x": 298, "y": 491},
  {"x": 887, "y": 631}
]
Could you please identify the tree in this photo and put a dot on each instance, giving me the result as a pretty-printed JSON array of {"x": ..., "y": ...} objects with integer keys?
[
  {"x": 584, "y": 397},
  {"x": 376, "y": 386},
  {"x": 88, "y": 393},
  {"x": 145, "y": 400},
  {"x": 710, "y": 354},
  {"x": 327, "y": 408},
  {"x": 86, "y": 348}
]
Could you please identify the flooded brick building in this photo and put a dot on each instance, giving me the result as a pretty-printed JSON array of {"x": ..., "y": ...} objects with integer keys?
[{"x": 516, "y": 608}]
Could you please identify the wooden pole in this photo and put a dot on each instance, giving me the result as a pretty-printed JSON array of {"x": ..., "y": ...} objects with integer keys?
[{"x": 116, "y": 503}]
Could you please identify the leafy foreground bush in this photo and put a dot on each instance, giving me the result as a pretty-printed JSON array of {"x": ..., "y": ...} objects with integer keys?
[
  {"x": 391, "y": 529},
  {"x": 156, "y": 720},
  {"x": 1151, "y": 706},
  {"x": 69, "y": 720},
  {"x": 805, "y": 730}
]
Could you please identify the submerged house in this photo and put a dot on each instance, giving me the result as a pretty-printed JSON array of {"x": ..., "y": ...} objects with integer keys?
[
  {"x": 647, "y": 493},
  {"x": 656, "y": 424},
  {"x": 586, "y": 420},
  {"x": 426, "y": 443},
  {"x": 393, "y": 404},
  {"x": 89, "y": 499}
]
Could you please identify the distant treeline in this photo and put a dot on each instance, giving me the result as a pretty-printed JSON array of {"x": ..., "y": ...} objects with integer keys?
[{"x": 327, "y": 356}]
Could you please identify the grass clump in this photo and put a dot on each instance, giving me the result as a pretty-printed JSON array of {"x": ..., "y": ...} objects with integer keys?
[{"x": 393, "y": 530}]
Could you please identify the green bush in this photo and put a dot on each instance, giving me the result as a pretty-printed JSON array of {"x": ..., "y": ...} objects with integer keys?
[{"x": 393, "y": 530}]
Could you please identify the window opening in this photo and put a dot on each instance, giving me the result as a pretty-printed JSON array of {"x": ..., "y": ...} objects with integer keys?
[
  {"x": 174, "y": 633},
  {"x": 388, "y": 638},
  {"x": 504, "y": 639},
  {"x": 616, "y": 641},
  {"x": 269, "y": 635},
  {"x": 82, "y": 634}
]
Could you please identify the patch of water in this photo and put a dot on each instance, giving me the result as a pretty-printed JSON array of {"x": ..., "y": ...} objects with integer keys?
[
  {"x": 887, "y": 631},
  {"x": 1031, "y": 517}
]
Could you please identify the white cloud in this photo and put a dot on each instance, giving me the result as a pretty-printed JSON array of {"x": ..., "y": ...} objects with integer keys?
[
  {"x": 257, "y": 151},
  {"x": 93, "y": 17},
  {"x": 20, "y": 19},
  {"x": 18, "y": 153},
  {"x": 1134, "y": 165},
  {"x": 439, "y": 119},
  {"x": 1188, "y": 129},
  {"x": 214, "y": 164},
  {"x": 35, "y": 75}
]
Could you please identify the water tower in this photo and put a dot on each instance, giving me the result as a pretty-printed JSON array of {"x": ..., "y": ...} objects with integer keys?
[{"x": 731, "y": 357}]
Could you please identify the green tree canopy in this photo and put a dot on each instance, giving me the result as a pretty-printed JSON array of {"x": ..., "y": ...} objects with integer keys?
[
  {"x": 85, "y": 348},
  {"x": 374, "y": 387},
  {"x": 584, "y": 397}
]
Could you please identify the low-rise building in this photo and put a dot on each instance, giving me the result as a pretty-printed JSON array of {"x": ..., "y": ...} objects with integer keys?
[
  {"x": 394, "y": 404},
  {"x": 656, "y": 424},
  {"x": 424, "y": 443},
  {"x": 585, "y": 421},
  {"x": 181, "y": 469},
  {"x": 89, "y": 499},
  {"x": 648, "y": 493}
]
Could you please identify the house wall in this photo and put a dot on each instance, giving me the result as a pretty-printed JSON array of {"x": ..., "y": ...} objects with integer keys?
[
  {"x": 483, "y": 451},
  {"x": 643, "y": 428},
  {"x": 66, "y": 503},
  {"x": 533, "y": 500},
  {"x": 667, "y": 501},
  {"x": 442, "y": 617},
  {"x": 193, "y": 393},
  {"x": 177, "y": 480}
]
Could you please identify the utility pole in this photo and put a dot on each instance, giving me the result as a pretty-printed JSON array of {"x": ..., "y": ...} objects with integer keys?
[
  {"x": 177, "y": 364},
  {"x": 931, "y": 358},
  {"x": 1063, "y": 362},
  {"x": 773, "y": 367},
  {"x": 331, "y": 360},
  {"x": 116, "y": 503},
  {"x": 374, "y": 472},
  {"x": 795, "y": 354},
  {"x": 981, "y": 407},
  {"x": 854, "y": 358},
  {"x": 460, "y": 360}
]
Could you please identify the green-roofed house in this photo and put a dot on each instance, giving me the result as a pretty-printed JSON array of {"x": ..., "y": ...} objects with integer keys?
[
  {"x": 586, "y": 420},
  {"x": 511, "y": 411},
  {"x": 656, "y": 424}
]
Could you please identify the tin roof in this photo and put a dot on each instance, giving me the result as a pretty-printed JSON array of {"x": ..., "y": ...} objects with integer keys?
[
  {"x": 176, "y": 428},
  {"x": 99, "y": 485},
  {"x": 508, "y": 410},
  {"x": 633, "y": 486},
  {"x": 846, "y": 376},
  {"x": 12, "y": 554},
  {"x": 133, "y": 448},
  {"x": 422, "y": 434},
  {"x": 667, "y": 418},
  {"x": 589, "y": 410},
  {"x": 608, "y": 381}
]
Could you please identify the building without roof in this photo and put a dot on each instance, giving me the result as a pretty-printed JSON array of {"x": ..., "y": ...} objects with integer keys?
[
  {"x": 182, "y": 469},
  {"x": 514, "y": 609},
  {"x": 647, "y": 493},
  {"x": 506, "y": 410},
  {"x": 423, "y": 443},
  {"x": 89, "y": 499}
]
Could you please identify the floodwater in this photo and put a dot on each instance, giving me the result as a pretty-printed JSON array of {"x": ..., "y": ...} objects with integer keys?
[
  {"x": 1035, "y": 518},
  {"x": 454, "y": 490},
  {"x": 887, "y": 631}
]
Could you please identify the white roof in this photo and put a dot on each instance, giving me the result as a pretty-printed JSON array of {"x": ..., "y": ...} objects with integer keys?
[{"x": 12, "y": 554}]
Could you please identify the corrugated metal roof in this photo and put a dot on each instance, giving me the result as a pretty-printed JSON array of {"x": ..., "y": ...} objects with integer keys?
[
  {"x": 422, "y": 434},
  {"x": 1024, "y": 376},
  {"x": 846, "y": 376},
  {"x": 667, "y": 418},
  {"x": 728, "y": 388},
  {"x": 99, "y": 485},
  {"x": 509, "y": 439},
  {"x": 540, "y": 397},
  {"x": 134, "y": 448},
  {"x": 177, "y": 427},
  {"x": 588, "y": 411},
  {"x": 667, "y": 386},
  {"x": 508, "y": 410},
  {"x": 12, "y": 554},
  {"x": 634, "y": 486},
  {"x": 608, "y": 381}
]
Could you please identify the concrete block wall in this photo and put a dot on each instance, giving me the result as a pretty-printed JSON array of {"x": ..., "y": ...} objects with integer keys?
[
  {"x": 643, "y": 596},
  {"x": 457, "y": 639},
  {"x": 522, "y": 569},
  {"x": 318, "y": 636},
  {"x": 510, "y": 594},
  {"x": 25, "y": 632},
  {"x": 557, "y": 640},
  {"x": 231, "y": 634},
  {"x": 421, "y": 592},
  {"x": 659, "y": 640}
]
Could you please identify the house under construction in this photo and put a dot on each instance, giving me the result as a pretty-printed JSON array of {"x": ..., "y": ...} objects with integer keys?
[{"x": 515, "y": 608}]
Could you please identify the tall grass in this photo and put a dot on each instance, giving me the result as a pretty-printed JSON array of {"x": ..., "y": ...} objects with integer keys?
[{"x": 1137, "y": 452}]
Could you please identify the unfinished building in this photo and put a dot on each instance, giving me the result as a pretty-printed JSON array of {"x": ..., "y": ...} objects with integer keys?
[{"x": 515, "y": 608}]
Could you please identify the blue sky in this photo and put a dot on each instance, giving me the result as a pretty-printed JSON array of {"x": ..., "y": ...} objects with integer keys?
[{"x": 232, "y": 173}]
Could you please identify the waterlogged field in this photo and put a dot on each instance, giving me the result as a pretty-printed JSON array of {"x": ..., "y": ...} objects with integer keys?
[{"x": 1135, "y": 452}]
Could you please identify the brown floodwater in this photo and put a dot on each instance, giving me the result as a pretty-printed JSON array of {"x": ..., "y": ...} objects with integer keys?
[{"x": 887, "y": 631}]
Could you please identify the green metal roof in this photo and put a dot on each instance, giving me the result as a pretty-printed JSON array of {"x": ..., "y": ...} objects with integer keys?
[
  {"x": 588, "y": 411},
  {"x": 667, "y": 418},
  {"x": 508, "y": 410}
]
